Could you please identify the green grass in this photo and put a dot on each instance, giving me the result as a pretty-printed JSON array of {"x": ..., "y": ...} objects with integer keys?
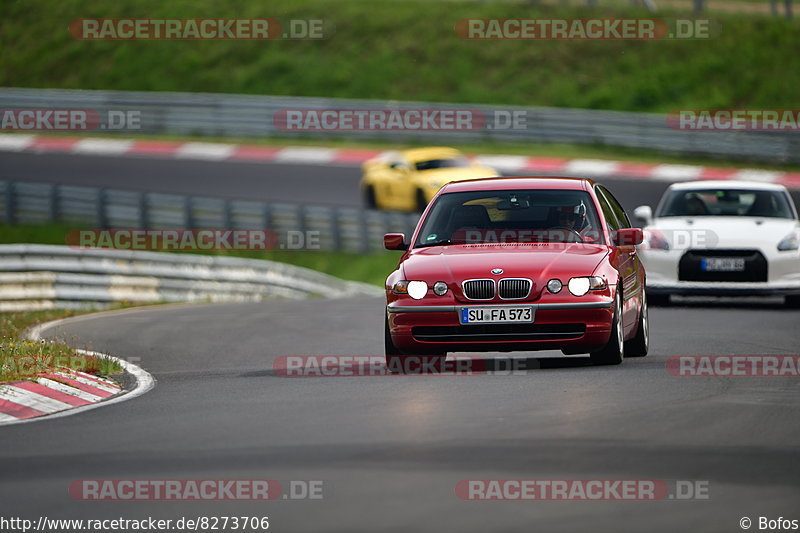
[
  {"x": 368, "y": 268},
  {"x": 408, "y": 50},
  {"x": 22, "y": 359}
]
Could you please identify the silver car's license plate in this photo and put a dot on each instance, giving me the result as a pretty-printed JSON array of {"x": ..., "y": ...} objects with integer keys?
[
  {"x": 496, "y": 314},
  {"x": 722, "y": 264}
]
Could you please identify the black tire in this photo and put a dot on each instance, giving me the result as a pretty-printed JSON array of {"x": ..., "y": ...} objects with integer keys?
[
  {"x": 792, "y": 301},
  {"x": 422, "y": 203},
  {"x": 614, "y": 351},
  {"x": 369, "y": 198},
  {"x": 640, "y": 344},
  {"x": 659, "y": 300}
]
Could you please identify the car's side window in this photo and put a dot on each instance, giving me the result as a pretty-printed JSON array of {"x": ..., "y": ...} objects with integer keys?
[
  {"x": 619, "y": 211},
  {"x": 608, "y": 211}
]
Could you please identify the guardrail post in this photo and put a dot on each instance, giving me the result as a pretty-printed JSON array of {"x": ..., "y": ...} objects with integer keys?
[
  {"x": 363, "y": 240},
  {"x": 144, "y": 211},
  {"x": 55, "y": 192},
  {"x": 336, "y": 237},
  {"x": 227, "y": 219},
  {"x": 266, "y": 216},
  {"x": 100, "y": 211},
  {"x": 188, "y": 219},
  {"x": 10, "y": 196},
  {"x": 302, "y": 216}
]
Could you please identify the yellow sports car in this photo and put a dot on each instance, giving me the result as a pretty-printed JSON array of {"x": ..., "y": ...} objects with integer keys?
[{"x": 407, "y": 180}]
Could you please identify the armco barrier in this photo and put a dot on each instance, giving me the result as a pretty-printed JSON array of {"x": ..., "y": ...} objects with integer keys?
[
  {"x": 236, "y": 115},
  {"x": 336, "y": 228},
  {"x": 36, "y": 276}
]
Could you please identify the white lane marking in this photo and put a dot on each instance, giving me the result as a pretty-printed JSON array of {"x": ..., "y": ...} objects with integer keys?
[
  {"x": 209, "y": 151},
  {"x": 754, "y": 174},
  {"x": 102, "y": 146},
  {"x": 676, "y": 172},
  {"x": 591, "y": 167},
  {"x": 66, "y": 389},
  {"x": 15, "y": 143},
  {"x": 508, "y": 163},
  {"x": 305, "y": 154},
  {"x": 31, "y": 399},
  {"x": 87, "y": 381}
]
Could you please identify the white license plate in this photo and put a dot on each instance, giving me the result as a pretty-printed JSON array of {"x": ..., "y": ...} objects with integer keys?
[
  {"x": 722, "y": 264},
  {"x": 496, "y": 314}
]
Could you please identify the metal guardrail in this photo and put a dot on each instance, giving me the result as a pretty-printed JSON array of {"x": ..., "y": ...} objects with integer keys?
[
  {"x": 45, "y": 277},
  {"x": 338, "y": 228},
  {"x": 234, "y": 115}
]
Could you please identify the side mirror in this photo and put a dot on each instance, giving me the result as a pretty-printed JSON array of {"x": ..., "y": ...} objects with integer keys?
[
  {"x": 644, "y": 213},
  {"x": 629, "y": 236},
  {"x": 395, "y": 241}
]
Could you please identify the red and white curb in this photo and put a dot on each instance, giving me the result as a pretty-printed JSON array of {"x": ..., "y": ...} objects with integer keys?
[
  {"x": 53, "y": 392},
  {"x": 66, "y": 392},
  {"x": 596, "y": 168}
]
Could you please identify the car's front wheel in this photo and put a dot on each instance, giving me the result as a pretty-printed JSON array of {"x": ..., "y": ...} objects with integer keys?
[
  {"x": 613, "y": 352},
  {"x": 370, "y": 201},
  {"x": 422, "y": 202},
  {"x": 640, "y": 344}
]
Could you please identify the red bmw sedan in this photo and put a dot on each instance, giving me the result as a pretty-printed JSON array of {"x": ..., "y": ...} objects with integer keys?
[{"x": 518, "y": 264}]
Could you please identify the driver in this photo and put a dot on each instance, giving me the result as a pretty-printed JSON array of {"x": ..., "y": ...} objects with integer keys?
[{"x": 573, "y": 218}]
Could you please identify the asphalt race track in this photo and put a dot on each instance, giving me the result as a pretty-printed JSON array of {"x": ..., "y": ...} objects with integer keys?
[
  {"x": 278, "y": 182},
  {"x": 390, "y": 450}
]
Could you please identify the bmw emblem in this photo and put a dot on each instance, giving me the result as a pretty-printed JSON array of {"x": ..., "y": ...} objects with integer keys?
[{"x": 497, "y": 271}]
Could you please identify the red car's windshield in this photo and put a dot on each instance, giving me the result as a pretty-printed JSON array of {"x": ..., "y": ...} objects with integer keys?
[{"x": 511, "y": 216}]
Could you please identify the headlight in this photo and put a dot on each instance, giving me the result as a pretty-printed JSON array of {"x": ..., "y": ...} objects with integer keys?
[
  {"x": 440, "y": 288},
  {"x": 417, "y": 289},
  {"x": 790, "y": 242},
  {"x": 580, "y": 286},
  {"x": 554, "y": 286}
]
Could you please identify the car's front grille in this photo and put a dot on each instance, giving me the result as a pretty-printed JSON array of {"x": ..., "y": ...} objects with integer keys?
[
  {"x": 479, "y": 289},
  {"x": 514, "y": 288},
  {"x": 498, "y": 332},
  {"x": 690, "y": 267}
]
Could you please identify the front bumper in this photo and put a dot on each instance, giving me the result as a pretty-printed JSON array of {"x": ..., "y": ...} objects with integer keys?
[
  {"x": 782, "y": 276},
  {"x": 577, "y": 327}
]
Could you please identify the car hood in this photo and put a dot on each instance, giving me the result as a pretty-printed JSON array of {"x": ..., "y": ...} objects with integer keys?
[
  {"x": 539, "y": 262},
  {"x": 723, "y": 232}
]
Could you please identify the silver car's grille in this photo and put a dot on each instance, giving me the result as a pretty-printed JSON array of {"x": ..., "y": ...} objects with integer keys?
[
  {"x": 514, "y": 288},
  {"x": 479, "y": 289}
]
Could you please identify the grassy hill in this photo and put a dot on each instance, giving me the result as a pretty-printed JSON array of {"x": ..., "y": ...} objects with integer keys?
[{"x": 407, "y": 50}]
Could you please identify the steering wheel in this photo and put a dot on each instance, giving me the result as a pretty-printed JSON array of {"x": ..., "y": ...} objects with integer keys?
[{"x": 574, "y": 232}]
